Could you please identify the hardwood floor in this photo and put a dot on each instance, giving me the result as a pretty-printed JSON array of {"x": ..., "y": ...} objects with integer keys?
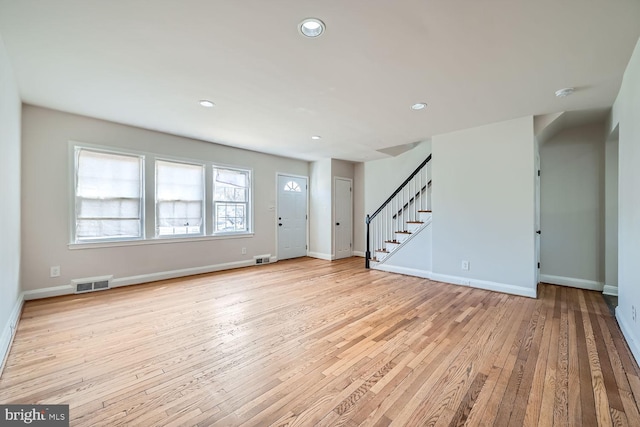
[{"x": 311, "y": 342}]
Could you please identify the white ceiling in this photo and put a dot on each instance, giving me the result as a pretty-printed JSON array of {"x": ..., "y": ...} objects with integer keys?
[{"x": 147, "y": 63}]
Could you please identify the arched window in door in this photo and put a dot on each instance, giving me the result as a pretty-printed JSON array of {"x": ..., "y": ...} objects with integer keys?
[{"x": 292, "y": 186}]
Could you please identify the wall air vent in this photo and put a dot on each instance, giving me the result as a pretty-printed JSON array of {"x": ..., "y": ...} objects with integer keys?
[
  {"x": 91, "y": 284},
  {"x": 262, "y": 259}
]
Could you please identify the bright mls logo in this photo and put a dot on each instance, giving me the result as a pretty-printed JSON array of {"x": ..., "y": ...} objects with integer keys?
[{"x": 34, "y": 415}]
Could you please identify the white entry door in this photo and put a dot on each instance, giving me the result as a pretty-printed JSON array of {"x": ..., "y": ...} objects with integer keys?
[
  {"x": 292, "y": 216},
  {"x": 342, "y": 203}
]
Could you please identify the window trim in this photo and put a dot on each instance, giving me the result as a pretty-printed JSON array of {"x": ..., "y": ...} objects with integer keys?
[
  {"x": 203, "y": 229},
  {"x": 75, "y": 147},
  {"x": 249, "y": 203},
  {"x": 148, "y": 220}
]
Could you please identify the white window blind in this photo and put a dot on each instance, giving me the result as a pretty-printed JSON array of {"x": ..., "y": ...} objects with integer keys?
[
  {"x": 108, "y": 195},
  {"x": 179, "y": 198},
  {"x": 231, "y": 200}
]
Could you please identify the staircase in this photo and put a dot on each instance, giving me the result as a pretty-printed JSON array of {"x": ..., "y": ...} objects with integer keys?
[{"x": 400, "y": 218}]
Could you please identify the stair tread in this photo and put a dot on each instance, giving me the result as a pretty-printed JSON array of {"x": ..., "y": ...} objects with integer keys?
[
  {"x": 403, "y": 232},
  {"x": 415, "y": 222},
  {"x": 395, "y": 242},
  {"x": 382, "y": 250},
  {"x": 425, "y": 211}
]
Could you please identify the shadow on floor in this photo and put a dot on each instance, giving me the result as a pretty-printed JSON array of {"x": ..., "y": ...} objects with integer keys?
[{"x": 612, "y": 303}]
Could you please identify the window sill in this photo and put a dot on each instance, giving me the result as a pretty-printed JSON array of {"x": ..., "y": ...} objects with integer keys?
[{"x": 157, "y": 241}]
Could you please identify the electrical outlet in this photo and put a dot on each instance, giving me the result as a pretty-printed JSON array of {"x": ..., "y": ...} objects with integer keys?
[
  {"x": 244, "y": 251},
  {"x": 55, "y": 271},
  {"x": 465, "y": 265}
]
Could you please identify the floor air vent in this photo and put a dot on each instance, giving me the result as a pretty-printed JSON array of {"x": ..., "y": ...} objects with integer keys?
[
  {"x": 262, "y": 259},
  {"x": 91, "y": 284}
]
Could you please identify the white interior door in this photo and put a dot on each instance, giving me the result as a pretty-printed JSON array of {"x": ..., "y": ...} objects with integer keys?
[
  {"x": 292, "y": 216},
  {"x": 343, "y": 230}
]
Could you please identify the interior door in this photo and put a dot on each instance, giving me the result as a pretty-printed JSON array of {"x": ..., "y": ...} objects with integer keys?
[
  {"x": 343, "y": 231},
  {"x": 292, "y": 216}
]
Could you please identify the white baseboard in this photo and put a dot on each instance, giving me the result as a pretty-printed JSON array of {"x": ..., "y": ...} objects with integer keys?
[
  {"x": 461, "y": 281},
  {"x": 142, "y": 278},
  {"x": 164, "y": 275},
  {"x": 572, "y": 282},
  {"x": 319, "y": 255},
  {"x": 54, "y": 291},
  {"x": 610, "y": 290},
  {"x": 404, "y": 270},
  {"x": 628, "y": 336},
  {"x": 358, "y": 253},
  {"x": 9, "y": 331},
  {"x": 487, "y": 285}
]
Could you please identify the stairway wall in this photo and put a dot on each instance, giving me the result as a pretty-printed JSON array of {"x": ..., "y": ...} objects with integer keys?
[
  {"x": 413, "y": 258},
  {"x": 483, "y": 207}
]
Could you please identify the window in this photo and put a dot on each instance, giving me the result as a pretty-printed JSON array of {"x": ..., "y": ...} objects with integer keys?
[
  {"x": 179, "y": 198},
  {"x": 231, "y": 200},
  {"x": 292, "y": 186},
  {"x": 108, "y": 195},
  {"x": 110, "y": 188}
]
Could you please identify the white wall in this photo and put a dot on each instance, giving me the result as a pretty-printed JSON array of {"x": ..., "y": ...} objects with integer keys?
[
  {"x": 572, "y": 207},
  {"x": 483, "y": 207},
  {"x": 320, "y": 245},
  {"x": 611, "y": 216},
  {"x": 10, "y": 110},
  {"x": 626, "y": 111},
  {"x": 322, "y": 230},
  {"x": 358, "y": 210},
  {"x": 47, "y": 192}
]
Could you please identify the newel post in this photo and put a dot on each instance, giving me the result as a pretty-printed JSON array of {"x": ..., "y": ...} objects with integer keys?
[{"x": 367, "y": 255}]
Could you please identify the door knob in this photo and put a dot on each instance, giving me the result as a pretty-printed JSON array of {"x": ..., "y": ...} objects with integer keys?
[
  {"x": 337, "y": 223},
  {"x": 280, "y": 224},
  {"x": 538, "y": 232}
]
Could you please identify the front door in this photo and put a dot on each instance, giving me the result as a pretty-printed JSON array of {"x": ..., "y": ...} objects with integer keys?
[{"x": 292, "y": 216}]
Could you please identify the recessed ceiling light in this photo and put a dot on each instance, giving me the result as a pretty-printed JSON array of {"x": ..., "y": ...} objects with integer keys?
[
  {"x": 206, "y": 103},
  {"x": 561, "y": 93},
  {"x": 311, "y": 27},
  {"x": 419, "y": 106},
  {"x": 316, "y": 137}
]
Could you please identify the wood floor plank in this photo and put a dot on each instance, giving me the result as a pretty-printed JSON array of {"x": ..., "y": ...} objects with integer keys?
[
  {"x": 310, "y": 342},
  {"x": 603, "y": 413}
]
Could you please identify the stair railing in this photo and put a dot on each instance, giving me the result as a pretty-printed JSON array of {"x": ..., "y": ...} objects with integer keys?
[{"x": 401, "y": 207}]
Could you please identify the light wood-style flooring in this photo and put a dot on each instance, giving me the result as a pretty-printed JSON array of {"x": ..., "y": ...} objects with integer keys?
[{"x": 309, "y": 342}]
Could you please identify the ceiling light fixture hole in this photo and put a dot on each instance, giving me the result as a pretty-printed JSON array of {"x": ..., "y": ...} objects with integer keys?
[
  {"x": 419, "y": 106},
  {"x": 311, "y": 27},
  {"x": 206, "y": 103}
]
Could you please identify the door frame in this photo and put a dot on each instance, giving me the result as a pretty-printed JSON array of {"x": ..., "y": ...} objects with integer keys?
[
  {"x": 275, "y": 216},
  {"x": 537, "y": 212},
  {"x": 333, "y": 214}
]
